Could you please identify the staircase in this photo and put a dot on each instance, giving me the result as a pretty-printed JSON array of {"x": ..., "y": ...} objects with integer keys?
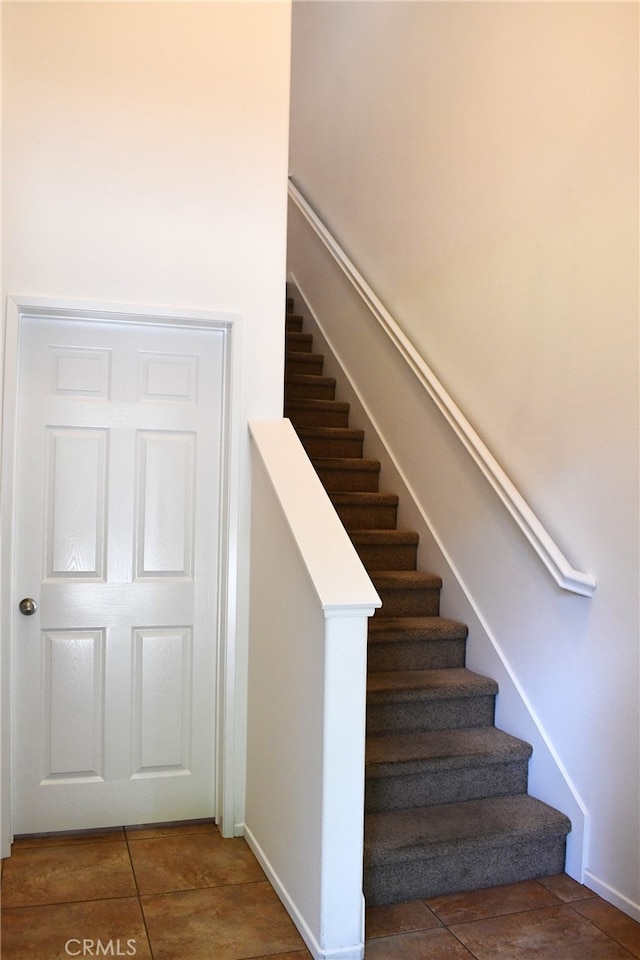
[{"x": 446, "y": 802}]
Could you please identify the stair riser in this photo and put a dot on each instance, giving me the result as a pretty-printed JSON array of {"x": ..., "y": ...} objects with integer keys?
[
  {"x": 406, "y": 602},
  {"x": 417, "y": 655},
  {"x": 311, "y": 366},
  {"x": 298, "y": 342},
  {"x": 368, "y": 516},
  {"x": 430, "y": 788},
  {"x": 318, "y": 418},
  {"x": 293, "y": 324},
  {"x": 469, "y": 869},
  {"x": 408, "y": 716},
  {"x": 348, "y": 481},
  {"x": 388, "y": 557},
  {"x": 332, "y": 447},
  {"x": 315, "y": 390}
]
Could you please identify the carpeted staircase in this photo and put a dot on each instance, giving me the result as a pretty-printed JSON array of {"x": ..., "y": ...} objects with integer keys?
[{"x": 446, "y": 804}]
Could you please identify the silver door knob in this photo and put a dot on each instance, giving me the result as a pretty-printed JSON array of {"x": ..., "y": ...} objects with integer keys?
[{"x": 27, "y": 606}]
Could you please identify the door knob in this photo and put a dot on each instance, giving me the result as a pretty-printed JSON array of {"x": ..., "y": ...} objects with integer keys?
[{"x": 27, "y": 606}]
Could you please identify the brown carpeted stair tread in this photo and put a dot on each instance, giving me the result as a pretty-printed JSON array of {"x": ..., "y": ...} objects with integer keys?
[
  {"x": 347, "y": 464},
  {"x": 317, "y": 413},
  {"x": 441, "y": 749},
  {"x": 305, "y": 356},
  {"x": 331, "y": 441},
  {"x": 320, "y": 406},
  {"x": 364, "y": 498},
  {"x": 400, "y": 629},
  {"x": 303, "y": 362},
  {"x": 341, "y": 474},
  {"x": 360, "y": 509},
  {"x": 433, "y": 851},
  {"x": 410, "y": 770},
  {"x": 406, "y": 835},
  {"x": 444, "y": 684},
  {"x": 308, "y": 385},
  {"x": 390, "y": 549},
  {"x": 330, "y": 433},
  {"x": 415, "y": 643},
  {"x": 407, "y": 593},
  {"x": 297, "y": 342},
  {"x": 385, "y": 536},
  {"x": 416, "y": 579}
]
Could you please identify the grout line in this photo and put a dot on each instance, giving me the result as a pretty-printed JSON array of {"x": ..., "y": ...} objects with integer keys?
[
  {"x": 495, "y": 916},
  {"x": 601, "y": 929},
  {"x": 65, "y": 903},
  {"x": 464, "y": 945},
  {"x": 139, "y": 897}
]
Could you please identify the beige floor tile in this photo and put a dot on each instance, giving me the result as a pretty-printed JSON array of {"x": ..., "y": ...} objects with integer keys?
[
  {"x": 565, "y": 888},
  {"x": 398, "y": 918},
  {"x": 611, "y": 921},
  {"x": 493, "y": 902},
  {"x": 220, "y": 923},
  {"x": 436, "y": 944},
  {"x": 552, "y": 933},
  {"x": 192, "y": 861},
  {"x": 86, "y": 871},
  {"x": 57, "y": 932}
]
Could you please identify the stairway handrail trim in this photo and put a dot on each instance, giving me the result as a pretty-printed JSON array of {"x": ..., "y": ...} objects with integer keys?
[{"x": 565, "y": 575}]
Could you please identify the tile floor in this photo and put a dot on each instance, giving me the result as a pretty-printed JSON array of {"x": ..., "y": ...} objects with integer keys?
[{"x": 184, "y": 893}]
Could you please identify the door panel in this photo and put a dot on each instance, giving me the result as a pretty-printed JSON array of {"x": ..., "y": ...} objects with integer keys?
[
  {"x": 75, "y": 468},
  {"x": 73, "y": 684},
  {"x": 162, "y": 701},
  {"x": 165, "y": 504},
  {"x": 117, "y": 528}
]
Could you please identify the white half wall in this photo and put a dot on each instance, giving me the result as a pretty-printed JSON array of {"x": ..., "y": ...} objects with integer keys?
[
  {"x": 310, "y": 601},
  {"x": 479, "y": 164}
]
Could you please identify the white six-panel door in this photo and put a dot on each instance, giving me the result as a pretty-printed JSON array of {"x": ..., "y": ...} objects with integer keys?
[{"x": 117, "y": 537}]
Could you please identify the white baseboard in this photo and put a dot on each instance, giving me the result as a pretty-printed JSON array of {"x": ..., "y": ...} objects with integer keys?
[
  {"x": 612, "y": 896},
  {"x": 354, "y": 952}
]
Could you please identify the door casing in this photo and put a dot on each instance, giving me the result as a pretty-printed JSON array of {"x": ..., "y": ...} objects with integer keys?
[{"x": 21, "y": 308}]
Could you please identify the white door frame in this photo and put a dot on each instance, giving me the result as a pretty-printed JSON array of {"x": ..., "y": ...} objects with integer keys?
[{"x": 22, "y": 308}]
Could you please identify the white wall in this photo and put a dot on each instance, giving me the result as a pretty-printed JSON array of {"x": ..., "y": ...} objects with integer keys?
[
  {"x": 479, "y": 163},
  {"x": 145, "y": 161}
]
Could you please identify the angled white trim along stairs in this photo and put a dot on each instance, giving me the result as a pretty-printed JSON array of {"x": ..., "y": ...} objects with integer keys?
[{"x": 562, "y": 571}]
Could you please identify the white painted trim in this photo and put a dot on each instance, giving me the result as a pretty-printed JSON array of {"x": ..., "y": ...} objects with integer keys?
[
  {"x": 230, "y": 324},
  {"x": 339, "y": 578},
  {"x": 56, "y": 308},
  {"x": 7, "y": 499},
  {"x": 611, "y": 895},
  {"x": 554, "y": 560},
  {"x": 581, "y": 831},
  {"x": 226, "y": 800},
  {"x": 355, "y": 952}
]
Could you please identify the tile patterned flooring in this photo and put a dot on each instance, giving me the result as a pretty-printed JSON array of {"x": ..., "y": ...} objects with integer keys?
[{"x": 183, "y": 893}]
